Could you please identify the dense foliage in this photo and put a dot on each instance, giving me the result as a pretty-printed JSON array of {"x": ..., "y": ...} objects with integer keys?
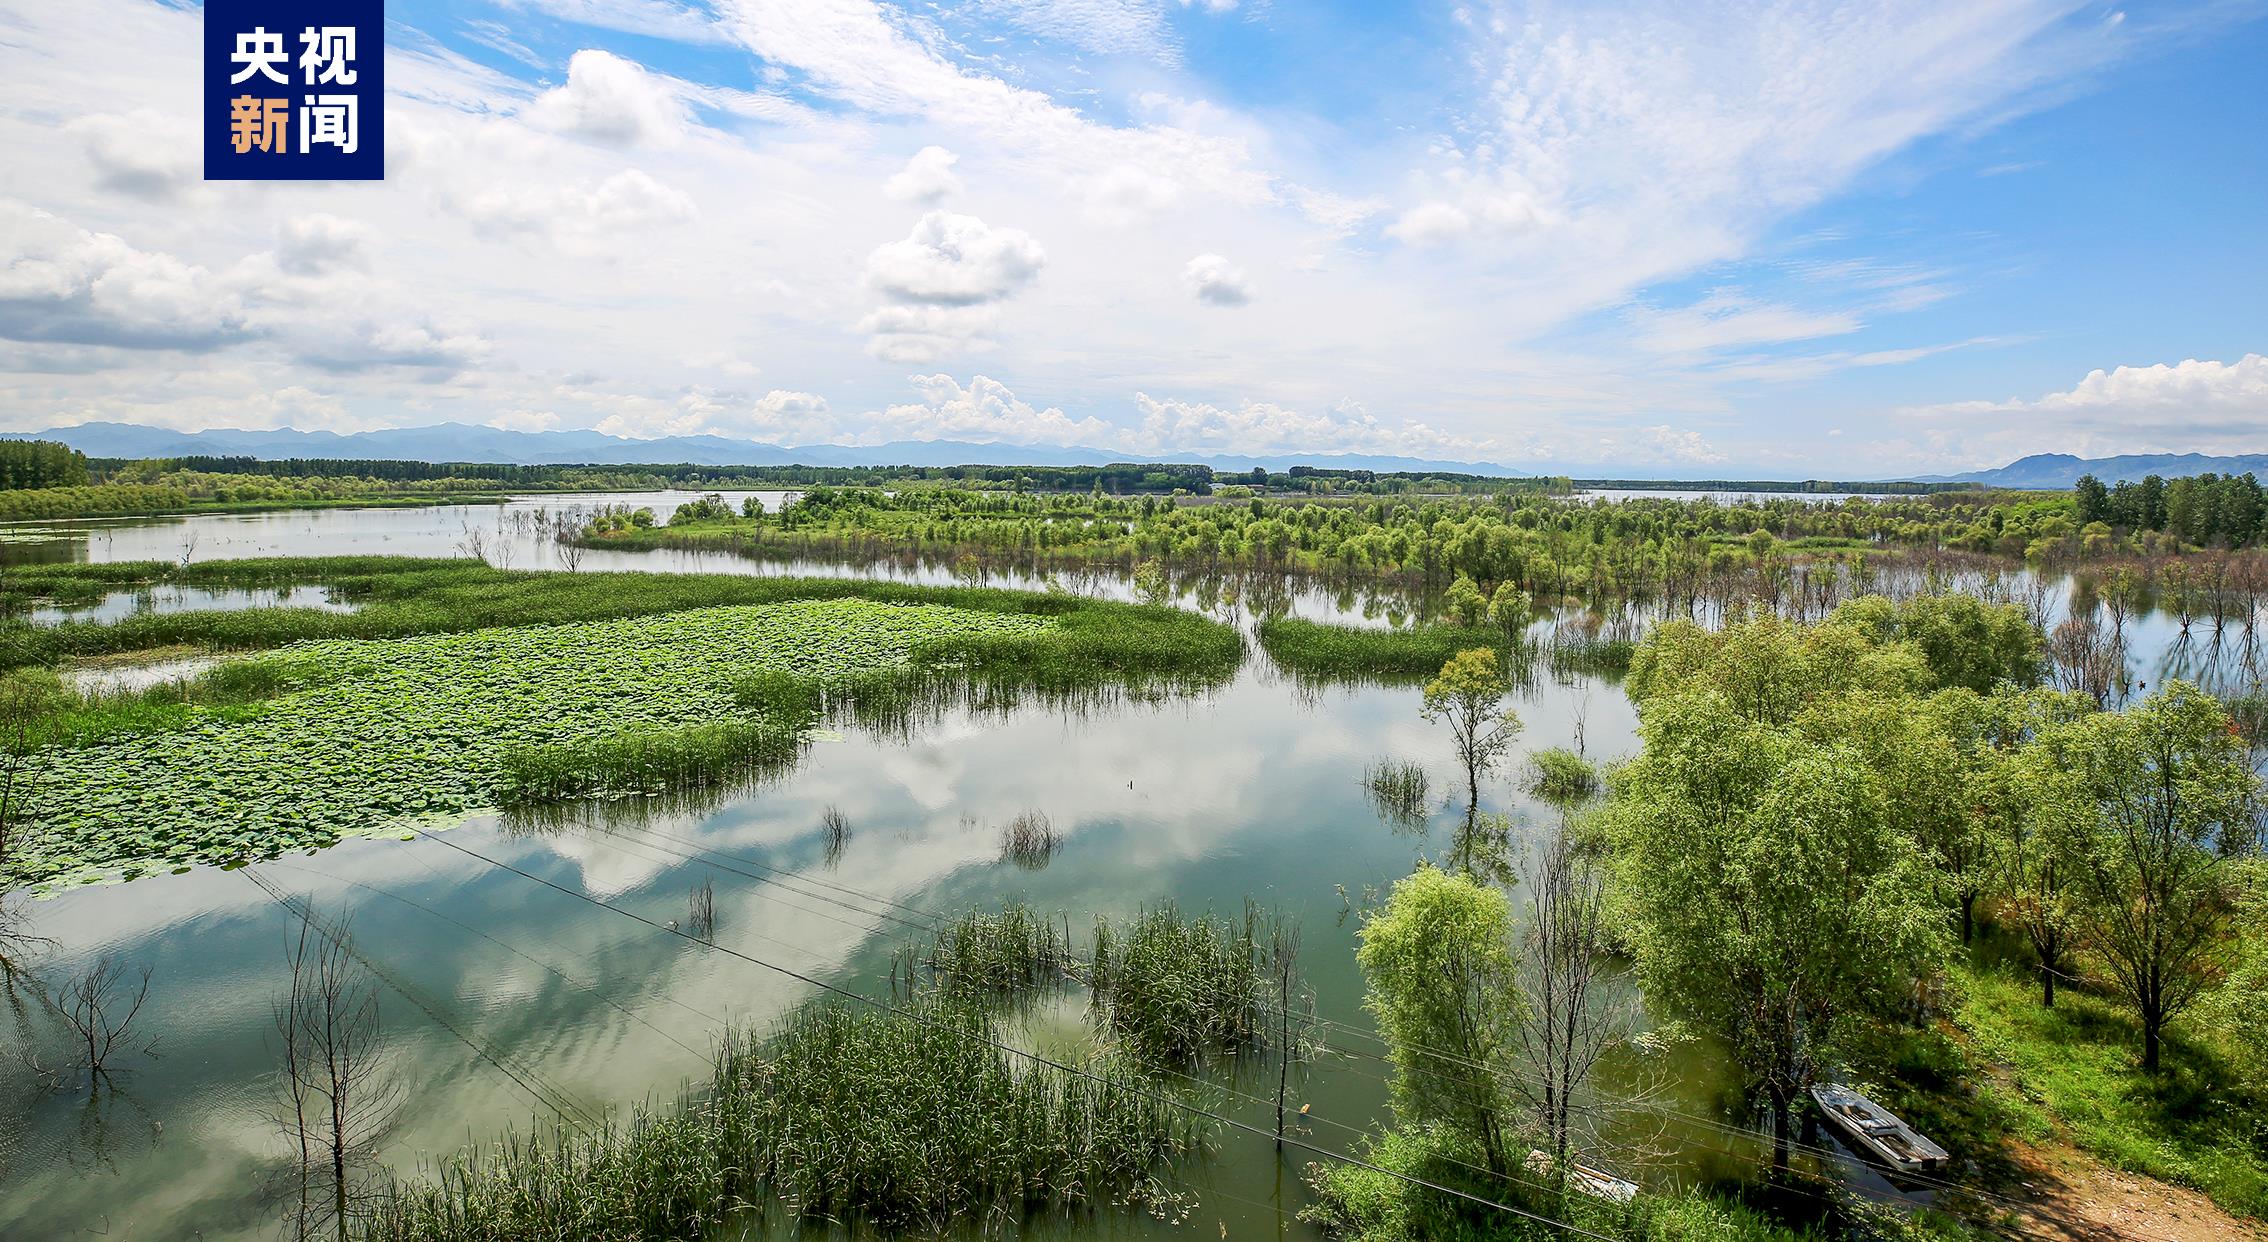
[{"x": 40, "y": 463}]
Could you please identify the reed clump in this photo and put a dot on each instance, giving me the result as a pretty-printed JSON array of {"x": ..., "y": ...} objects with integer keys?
[
  {"x": 1173, "y": 988},
  {"x": 1313, "y": 650},
  {"x": 907, "y": 1120},
  {"x": 1399, "y": 791},
  {"x": 1562, "y": 776},
  {"x": 1008, "y": 953},
  {"x": 648, "y": 763},
  {"x": 1030, "y": 840}
]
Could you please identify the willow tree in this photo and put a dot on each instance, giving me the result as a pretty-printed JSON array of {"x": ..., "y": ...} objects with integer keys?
[
  {"x": 1437, "y": 963},
  {"x": 2155, "y": 804},
  {"x": 1469, "y": 695}
]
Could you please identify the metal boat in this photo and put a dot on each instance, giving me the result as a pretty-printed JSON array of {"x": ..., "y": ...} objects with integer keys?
[{"x": 1878, "y": 1132}]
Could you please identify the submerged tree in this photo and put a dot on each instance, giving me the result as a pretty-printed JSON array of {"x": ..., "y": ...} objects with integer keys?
[
  {"x": 337, "y": 1097},
  {"x": 99, "y": 1008},
  {"x": 1469, "y": 694},
  {"x": 2155, "y": 805},
  {"x": 1768, "y": 888},
  {"x": 1573, "y": 1017},
  {"x": 1441, "y": 981}
]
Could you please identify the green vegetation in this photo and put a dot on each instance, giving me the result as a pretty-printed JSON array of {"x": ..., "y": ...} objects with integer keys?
[
  {"x": 1400, "y": 791},
  {"x": 2207, "y": 510},
  {"x": 911, "y": 1119},
  {"x": 1320, "y": 651},
  {"x": 1560, "y": 775},
  {"x": 40, "y": 463},
  {"x": 295, "y": 749},
  {"x": 2071, "y": 1072},
  {"x": 1174, "y": 988}
]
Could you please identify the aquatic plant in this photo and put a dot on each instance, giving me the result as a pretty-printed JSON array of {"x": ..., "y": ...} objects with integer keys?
[
  {"x": 911, "y": 1119},
  {"x": 1399, "y": 791},
  {"x": 1173, "y": 988},
  {"x": 293, "y": 749},
  {"x": 1029, "y": 840},
  {"x": 1559, "y": 775},
  {"x": 983, "y": 953},
  {"x": 1318, "y": 651}
]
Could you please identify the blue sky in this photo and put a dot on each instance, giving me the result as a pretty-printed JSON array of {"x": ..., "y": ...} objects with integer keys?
[{"x": 1827, "y": 239}]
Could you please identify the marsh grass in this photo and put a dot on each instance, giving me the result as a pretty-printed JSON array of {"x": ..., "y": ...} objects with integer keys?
[
  {"x": 1315, "y": 651},
  {"x": 1173, "y": 988},
  {"x": 1399, "y": 792},
  {"x": 1007, "y": 954},
  {"x": 909, "y": 1121},
  {"x": 836, "y": 827},
  {"x": 649, "y": 764},
  {"x": 1029, "y": 840},
  {"x": 1561, "y": 776}
]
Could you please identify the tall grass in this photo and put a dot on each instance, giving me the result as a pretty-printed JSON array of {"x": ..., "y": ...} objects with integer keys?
[
  {"x": 1029, "y": 840},
  {"x": 1399, "y": 791},
  {"x": 908, "y": 1121},
  {"x": 1318, "y": 651},
  {"x": 981, "y": 953},
  {"x": 1562, "y": 776},
  {"x": 649, "y": 763},
  {"x": 1173, "y": 988}
]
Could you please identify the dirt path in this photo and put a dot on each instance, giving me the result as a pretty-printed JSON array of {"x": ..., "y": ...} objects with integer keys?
[{"x": 2077, "y": 1198}]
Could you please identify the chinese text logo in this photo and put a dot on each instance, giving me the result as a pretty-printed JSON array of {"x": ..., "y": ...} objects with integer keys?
[{"x": 295, "y": 90}]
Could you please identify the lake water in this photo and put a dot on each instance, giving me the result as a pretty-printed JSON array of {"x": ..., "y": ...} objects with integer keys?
[{"x": 496, "y": 982}]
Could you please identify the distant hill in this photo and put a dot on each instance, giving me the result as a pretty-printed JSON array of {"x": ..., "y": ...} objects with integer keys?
[
  {"x": 460, "y": 442},
  {"x": 2060, "y": 470}
]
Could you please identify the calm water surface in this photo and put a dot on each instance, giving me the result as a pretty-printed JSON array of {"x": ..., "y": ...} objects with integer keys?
[{"x": 497, "y": 983}]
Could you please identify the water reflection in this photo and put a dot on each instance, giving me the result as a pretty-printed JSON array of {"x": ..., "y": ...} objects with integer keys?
[{"x": 1257, "y": 787}]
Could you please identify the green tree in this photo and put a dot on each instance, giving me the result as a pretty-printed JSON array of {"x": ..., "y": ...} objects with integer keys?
[
  {"x": 1440, "y": 977},
  {"x": 1767, "y": 887},
  {"x": 1469, "y": 694},
  {"x": 2155, "y": 803}
]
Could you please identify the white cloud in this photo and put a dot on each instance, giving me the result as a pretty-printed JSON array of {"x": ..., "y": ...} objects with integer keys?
[
  {"x": 926, "y": 180},
  {"x": 62, "y": 284},
  {"x": 580, "y": 220},
  {"x": 1264, "y": 427},
  {"x": 955, "y": 260},
  {"x": 142, "y": 153},
  {"x": 1214, "y": 280},
  {"x": 1727, "y": 317},
  {"x": 1126, "y": 195},
  {"x": 525, "y": 420},
  {"x": 611, "y": 100},
  {"x": 1430, "y": 223},
  {"x": 319, "y": 243},
  {"x": 985, "y": 410},
  {"x": 2197, "y": 405},
  {"x": 778, "y": 416}
]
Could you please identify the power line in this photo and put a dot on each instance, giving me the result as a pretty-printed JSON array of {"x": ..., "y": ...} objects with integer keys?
[{"x": 1038, "y": 1059}]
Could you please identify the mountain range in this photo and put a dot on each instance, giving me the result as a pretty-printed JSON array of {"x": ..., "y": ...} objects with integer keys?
[
  {"x": 460, "y": 442},
  {"x": 2060, "y": 470}
]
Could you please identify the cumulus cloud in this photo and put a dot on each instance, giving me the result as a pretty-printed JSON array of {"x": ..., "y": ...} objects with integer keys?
[
  {"x": 525, "y": 420},
  {"x": 581, "y": 220},
  {"x": 142, "y": 153},
  {"x": 942, "y": 285},
  {"x": 1214, "y": 280},
  {"x": 926, "y": 180},
  {"x": 318, "y": 243},
  {"x": 61, "y": 284},
  {"x": 1170, "y": 424},
  {"x": 372, "y": 346},
  {"x": 985, "y": 410},
  {"x": 779, "y": 416},
  {"x": 611, "y": 100},
  {"x": 2193, "y": 405},
  {"x": 954, "y": 260}
]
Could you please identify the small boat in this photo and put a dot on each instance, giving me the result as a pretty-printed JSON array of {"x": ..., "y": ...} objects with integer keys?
[
  {"x": 1597, "y": 1183},
  {"x": 1877, "y": 1131}
]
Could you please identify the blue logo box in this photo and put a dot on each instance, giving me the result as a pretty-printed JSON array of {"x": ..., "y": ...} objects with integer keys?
[{"x": 295, "y": 90}]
